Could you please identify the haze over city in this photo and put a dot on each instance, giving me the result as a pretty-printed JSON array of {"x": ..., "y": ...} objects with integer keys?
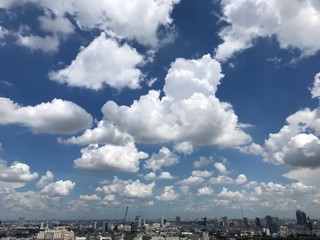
[{"x": 171, "y": 107}]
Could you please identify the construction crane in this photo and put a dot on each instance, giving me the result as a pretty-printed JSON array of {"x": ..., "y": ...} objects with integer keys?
[{"x": 125, "y": 215}]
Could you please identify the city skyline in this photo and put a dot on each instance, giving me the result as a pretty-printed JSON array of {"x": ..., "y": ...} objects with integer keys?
[{"x": 171, "y": 107}]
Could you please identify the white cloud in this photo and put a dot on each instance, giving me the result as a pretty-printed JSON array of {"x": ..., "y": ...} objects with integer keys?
[
  {"x": 138, "y": 190},
  {"x": 162, "y": 175},
  {"x": 297, "y": 143},
  {"x": 241, "y": 179},
  {"x": 223, "y": 179},
  {"x": 184, "y": 147},
  {"x": 45, "y": 180},
  {"x": 305, "y": 175},
  {"x": 168, "y": 194},
  {"x": 57, "y": 117},
  {"x": 315, "y": 91},
  {"x": 221, "y": 167},
  {"x": 3, "y": 33},
  {"x": 293, "y": 23},
  {"x": 53, "y": 189},
  {"x": 203, "y": 161},
  {"x": 189, "y": 93},
  {"x": 164, "y": 158},
  {"x": 93, "y": 197},
  {"x": 128, "y": 188},
  {"x": 205, "y": 191},
  {"x": 110, "y": 158},
  {"x": 103, "y": 62},
  {"x": 191, "y": 181},
  {"x": 58, "y": 189},
  {"x": 203, "y": 174},
  {"x": 104, "y": 133},
  {"x": 16, "y": 175},
  {"x": 122, "y": 20},
  {"x": 56, "y": 24},
  {"x": 46, "y": 44}
]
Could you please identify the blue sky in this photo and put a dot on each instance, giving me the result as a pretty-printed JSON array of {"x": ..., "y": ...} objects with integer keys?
[{"x": 190, "y": 108}]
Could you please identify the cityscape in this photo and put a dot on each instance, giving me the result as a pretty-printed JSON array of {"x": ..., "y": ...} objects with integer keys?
[
  {"x": 268, "y": 227},
  {"x": 159, "y": 119}
]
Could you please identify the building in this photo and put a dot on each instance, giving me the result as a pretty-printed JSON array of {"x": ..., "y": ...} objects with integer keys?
[
  {"x": 54, "y": 234},
  {"x": 178, "y": 220},
  {"x": 21, "y": 221},
  {"x": 301, "y": 218}
]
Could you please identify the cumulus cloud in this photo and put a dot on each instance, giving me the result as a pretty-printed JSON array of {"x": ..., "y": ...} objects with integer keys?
[
  {"x": 315, "y": 91},
  {"x": 168, "y": 194},
  {"x": 184, "y": 147},
  {"x": 93, "y": 197},
  {"x": 203, "y": 174},
  {"x": 103, "y": 133},
  {"x": 191, "y": 181},
  {"x": 223, "y": 179},
  {"x": 128, "y": 188},
  {"x": 120, "y": 20},
  {"x": 103, "y": 62},
  {"x": 46, "y": 44},
  {"x": 164, "y": 158},
  {"x": 297, "y": 143},
  {"x": 203, "y": 161},
  {"x": 305, "y": 175},
  {"x": 45, "y": 180},
  {"x": 3, "y": 33},
  {"x": 18, "y": 174},
  {"x": 205, "y": 191},
  {"x": 190, "y": 87},
  {"x": 161, "y": 176},
  {"x": 56, "y": 117},
  {"x": 110, "y": 158},
  {"x": 57, "y": 189},
  {"x": 56, "y": 24},
  {"x": 293, "y": 23},
  {"x": 221, "y": 167}
]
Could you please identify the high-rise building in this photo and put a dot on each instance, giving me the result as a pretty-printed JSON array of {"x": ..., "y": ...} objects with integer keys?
[
  {"x": 258, "y": 222},
  {"x": 245, "y": 221},
  {"x": 269, "y": 220},
  {"x": 301, "y": 217},
  {"x": 138, "y": 221},
  {"x": 178, "y": 220},
  {"x": 21, "y": 222},
  {"x": 104, "y": 227},
  {"x": 162, "y": 222}
]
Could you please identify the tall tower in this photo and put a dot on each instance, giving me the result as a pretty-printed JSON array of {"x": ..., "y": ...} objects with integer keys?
[
  {"x": 178, "y": 220},
  {"x": 299, "y": 217}
]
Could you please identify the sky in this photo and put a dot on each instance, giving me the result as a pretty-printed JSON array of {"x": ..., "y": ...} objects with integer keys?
[{"x": 171, "y": 107}]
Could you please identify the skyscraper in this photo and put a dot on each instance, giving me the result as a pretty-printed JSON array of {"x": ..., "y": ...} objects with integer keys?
[
  {"x": 301, "y": 217},
  {"x": 178, "y": 220}
]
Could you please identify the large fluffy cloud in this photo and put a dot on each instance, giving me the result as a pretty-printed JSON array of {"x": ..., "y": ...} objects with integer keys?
[
  {"x": 58, "y": 116},
  {"x": 53, "y": 189},
  {"x": 110, "y": 158},
  {"x": 164, "y": 158},
  {"x": 128, "y": 188},
  {"x": 296, "y": 144},
  {"x": 16, "y": 175},
  {"x": 189, "y": 111},
  {"x": 123, "y": 20},
  {"x": 103, "y": 62},
  {"x": 168, "y": 194},
  {"x": 103, "y": 133},
  {"x": 46, "y": 44},
  {"x": 293, "y": 23}
]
